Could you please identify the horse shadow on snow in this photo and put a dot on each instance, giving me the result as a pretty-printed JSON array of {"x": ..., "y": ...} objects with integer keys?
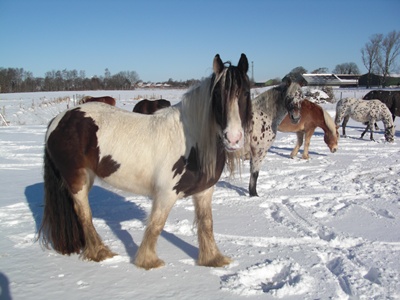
[{"x": 114, "y": 209}]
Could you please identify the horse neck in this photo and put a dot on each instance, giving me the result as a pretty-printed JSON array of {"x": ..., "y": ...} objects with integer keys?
[{"x": 272, "y": 104}]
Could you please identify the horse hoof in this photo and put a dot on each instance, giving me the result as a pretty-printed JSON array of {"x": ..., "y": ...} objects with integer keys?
[
  {"x": 101, "y": 255},
  {"x": 216, "y": 262},
  {"x": 148, "y": 265}
]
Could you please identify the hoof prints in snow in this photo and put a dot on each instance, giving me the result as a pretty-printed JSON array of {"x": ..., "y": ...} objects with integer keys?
[{"x": 281, "y": 277}]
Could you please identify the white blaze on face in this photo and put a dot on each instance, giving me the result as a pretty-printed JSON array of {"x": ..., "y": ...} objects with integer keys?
[{"x": 233, "y": 133}]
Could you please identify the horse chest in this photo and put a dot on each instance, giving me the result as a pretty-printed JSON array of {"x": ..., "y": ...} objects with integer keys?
[{"x": 192, "y": 179}]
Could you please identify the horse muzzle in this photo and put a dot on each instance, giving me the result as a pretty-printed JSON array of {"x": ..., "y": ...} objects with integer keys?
[
  {"x": 294, "y": 117},
  {"x": 233, "y": 140}
]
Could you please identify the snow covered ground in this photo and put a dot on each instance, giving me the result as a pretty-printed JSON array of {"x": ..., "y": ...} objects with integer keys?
[{"x": 325, "y": 228}]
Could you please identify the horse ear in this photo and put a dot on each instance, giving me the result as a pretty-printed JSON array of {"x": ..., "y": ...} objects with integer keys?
[
  {"x": 218, "y": 65},
  {"x": 243, "y": 64}
]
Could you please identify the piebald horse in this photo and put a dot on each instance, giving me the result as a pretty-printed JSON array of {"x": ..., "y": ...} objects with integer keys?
[
  {"x": 202, "y": 133},
  {"x": 312, "y": 116}
]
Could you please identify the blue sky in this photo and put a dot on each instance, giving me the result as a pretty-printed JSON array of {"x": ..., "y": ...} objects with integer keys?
[{"x": 178, "y": 39}]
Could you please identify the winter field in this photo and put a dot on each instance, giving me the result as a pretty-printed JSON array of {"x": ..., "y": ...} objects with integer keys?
[{"x": 323, "y": 228}]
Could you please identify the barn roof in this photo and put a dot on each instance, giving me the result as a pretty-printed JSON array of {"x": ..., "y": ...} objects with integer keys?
[{"x": 330, "y": 79}]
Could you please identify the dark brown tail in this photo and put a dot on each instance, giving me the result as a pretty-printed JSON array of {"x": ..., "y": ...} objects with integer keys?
[{"x": 60, "y": 225}]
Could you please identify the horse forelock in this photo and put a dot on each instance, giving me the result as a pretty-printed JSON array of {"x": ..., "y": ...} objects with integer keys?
[{"x": 232, "y": 84}]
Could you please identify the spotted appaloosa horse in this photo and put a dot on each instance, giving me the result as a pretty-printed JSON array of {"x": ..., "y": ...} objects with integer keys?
[
  {"x": 269, "y": 108},
  {"x": 202, "y": 133},
  {"x": 312, "y": 116},
  {"x": 149, "y": 107},
  {"x": 104, "y": 99},
  {"x": 365, "y": 111}
]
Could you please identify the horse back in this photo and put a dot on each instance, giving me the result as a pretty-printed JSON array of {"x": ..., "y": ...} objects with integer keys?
[{"x": 117, "y": 146}]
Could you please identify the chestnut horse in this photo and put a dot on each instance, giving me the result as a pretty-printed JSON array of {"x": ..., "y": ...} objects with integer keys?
[
  {"x": 202, "y": 133},
  {"x": 312, "y": 116},
  {"x": 149, "y": 107},
  {"x": 105, "y": 99}
]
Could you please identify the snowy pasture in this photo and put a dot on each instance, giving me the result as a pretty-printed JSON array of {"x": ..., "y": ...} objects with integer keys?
[{"x": 323, "y": 228}]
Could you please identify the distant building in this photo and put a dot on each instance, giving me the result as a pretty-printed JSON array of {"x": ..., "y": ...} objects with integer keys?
[{"x": 331, "y": 79}]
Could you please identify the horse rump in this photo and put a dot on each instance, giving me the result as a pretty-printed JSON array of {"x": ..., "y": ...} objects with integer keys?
[{"x": 60, "y": 224}]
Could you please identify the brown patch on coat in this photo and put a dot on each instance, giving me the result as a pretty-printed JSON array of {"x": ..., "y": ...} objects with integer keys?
[
  {"x": 193, "y": 180},
  {"x": 73, "y": 147}
]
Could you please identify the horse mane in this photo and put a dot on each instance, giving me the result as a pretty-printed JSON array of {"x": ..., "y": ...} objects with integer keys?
[
  {"x": 196, "y": 106},
  {"x": 198, "y": 113},
  {"x": 329, "y": 122}
]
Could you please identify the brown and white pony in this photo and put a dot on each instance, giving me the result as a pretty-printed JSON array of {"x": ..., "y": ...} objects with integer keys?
[
  {"x": 105, "y": 99},
  {"x": 149, "y": 107},
  {"x": 202, "y": 132},
  {"x": 269, "y": 109},
  {"x": 312, "y": 116}
]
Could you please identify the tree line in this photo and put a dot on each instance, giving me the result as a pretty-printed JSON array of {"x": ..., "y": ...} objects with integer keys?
[{"x": 13, "y": 80}]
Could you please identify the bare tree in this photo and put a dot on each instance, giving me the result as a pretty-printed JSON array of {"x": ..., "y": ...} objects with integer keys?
[
  {"x": 322, "y": 70},
  {"x": 370, "y": 54},
  {"x": 389, "y": 51},
  {"x": 346, "y": 68}
]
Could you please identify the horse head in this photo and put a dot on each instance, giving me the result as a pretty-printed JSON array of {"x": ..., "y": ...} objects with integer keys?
[
  {"x": 231, "y": 103},
  {"x": 293, "y": 97},
  {"x": 389, "y": 133}
]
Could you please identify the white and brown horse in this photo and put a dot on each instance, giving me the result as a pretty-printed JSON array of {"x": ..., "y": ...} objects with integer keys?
[
  {"x": 202, "y": 133},
  {"x": 312, "y": 116},
  {"x": 365, "y": 111},
  {"x": 269, "y": 108}
]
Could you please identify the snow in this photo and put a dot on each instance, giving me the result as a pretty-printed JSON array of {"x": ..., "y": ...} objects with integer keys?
[{"x": 323, "y": 228}]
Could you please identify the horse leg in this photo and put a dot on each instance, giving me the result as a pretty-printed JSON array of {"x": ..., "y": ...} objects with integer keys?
[
  {"x": 372, "y": 130},
  {"x": 146, "y": 256},
  {"x": 254, "y": 171},
  {"x": 365, "y": 130},
  {"x": 307, "y": 144},
  {"x": 345, "y": 120},
  {"x": 94, "y": 248},
  {"x": 209, "y": 254},
  {"x": 300, "y": 137}
]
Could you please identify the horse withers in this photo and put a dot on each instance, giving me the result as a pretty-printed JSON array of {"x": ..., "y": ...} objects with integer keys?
[
  {"x": 269, "y": 109},
  {"x": 312, "y": 116},
  {"x": 202, "y": 133},
  {"x": 365, "y": 111}
]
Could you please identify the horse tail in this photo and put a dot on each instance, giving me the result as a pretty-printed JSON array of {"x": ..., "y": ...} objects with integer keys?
[{"x": 60, "y": 225}]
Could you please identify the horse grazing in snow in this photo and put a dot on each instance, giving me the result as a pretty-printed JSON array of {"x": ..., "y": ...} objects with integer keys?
[
  {"x": 202, "y": 133},
  {"x": 149, "y": 107},
  {"x": 105, "y": 99},
  {"x": 365, "y": 111},
  {"x": 312, "y": 116},
  {"x": 269, "y": 109}
]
